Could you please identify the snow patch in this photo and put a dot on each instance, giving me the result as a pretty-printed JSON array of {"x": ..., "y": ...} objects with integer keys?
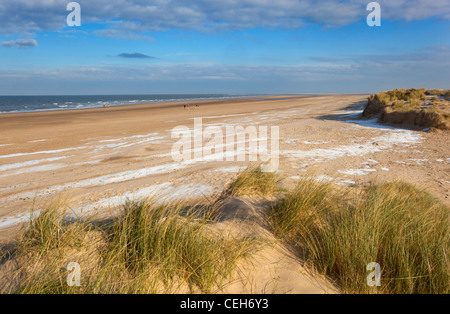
[
  {"x": 43, "y": 152},
  {"x": 230, "y": 169},
  {"x": 357, "y": 172},
  {"x": 29, "y": 163}
]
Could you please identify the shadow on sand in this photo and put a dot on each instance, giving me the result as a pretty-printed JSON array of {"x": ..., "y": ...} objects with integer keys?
[{"x": 352, "y": 114}]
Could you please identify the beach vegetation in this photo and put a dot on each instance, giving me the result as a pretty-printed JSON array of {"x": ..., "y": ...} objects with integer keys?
[
  {"x": 400, "y": 227},
  {"x": 415, "y": 107},
  {"x": 148, "y": 248}
]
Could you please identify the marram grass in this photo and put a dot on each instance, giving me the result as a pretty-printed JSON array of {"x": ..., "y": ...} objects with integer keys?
[
  {"x": 253, "y": 181},
  {"x": 170, "y": 248},
  {"x": 149, "y": 248},
  {"x": 396, "y": 225}
]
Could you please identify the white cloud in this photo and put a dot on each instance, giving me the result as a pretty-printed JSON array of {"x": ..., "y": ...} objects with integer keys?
[
  {"x": 428, "y": 68},
  {"x": 20, "y": 43},
  {"x": 138, "y": 16}
]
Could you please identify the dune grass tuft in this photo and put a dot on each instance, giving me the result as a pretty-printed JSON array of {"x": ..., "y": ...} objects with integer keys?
[
  {"x": 178, "y": 242},
  {"x": 419, "y": 107},
  {"x": 396, "y": 225},
  {"x": 253, "y": 181},
  {"x": 149, "y": 248}
]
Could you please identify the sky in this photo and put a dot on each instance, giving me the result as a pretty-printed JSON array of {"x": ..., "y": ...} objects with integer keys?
[{"x": 222, "y": 46}]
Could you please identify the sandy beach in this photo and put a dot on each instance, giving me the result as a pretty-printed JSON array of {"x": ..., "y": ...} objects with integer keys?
[
  {"x": 224, "y": 147},
  {"x": 100, "y": 157},
  {"x": 96, "y": 159}
]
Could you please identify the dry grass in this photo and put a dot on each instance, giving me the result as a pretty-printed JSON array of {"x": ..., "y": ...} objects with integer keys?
[
  {"x": 149, "y": 248},
  {"x": 170, "y": 248},
  {"x": 402, "y": 228},
  {"x": 417, "y": 107},
  {"x": 253, "y": 181}
]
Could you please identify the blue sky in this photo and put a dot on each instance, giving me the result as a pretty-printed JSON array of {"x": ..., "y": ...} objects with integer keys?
[{"x": 227, "y": 46}]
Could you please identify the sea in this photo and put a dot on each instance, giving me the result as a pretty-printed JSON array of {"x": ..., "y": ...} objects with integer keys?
[{"x": 13, "y": 104}]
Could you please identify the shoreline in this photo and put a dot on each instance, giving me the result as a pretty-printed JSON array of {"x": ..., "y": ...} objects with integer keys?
[
  {"x": 268, "y": 97},
  {"x": 159, "y": 102},
  {"x": 152, "y": 105}
]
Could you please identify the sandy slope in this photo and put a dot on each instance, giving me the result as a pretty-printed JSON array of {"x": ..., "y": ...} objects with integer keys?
[
  {"x": 100, "y": 157},
  {"x": 273, "y": 269}
]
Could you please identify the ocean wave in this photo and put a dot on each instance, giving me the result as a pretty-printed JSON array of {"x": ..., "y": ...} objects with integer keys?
[{"x": 20, "y": 104}]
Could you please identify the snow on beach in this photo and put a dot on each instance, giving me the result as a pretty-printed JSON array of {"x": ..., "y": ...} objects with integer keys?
[{"x": 301, "y": 150}]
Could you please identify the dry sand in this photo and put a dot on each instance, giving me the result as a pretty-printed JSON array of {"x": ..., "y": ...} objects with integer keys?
[{"x": 100, "y": 157}]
